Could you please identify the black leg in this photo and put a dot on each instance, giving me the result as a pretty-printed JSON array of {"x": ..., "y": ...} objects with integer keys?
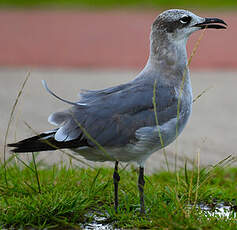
[
  {"x": 141, "y": 183},
  {"x": 116, "y": 178}
]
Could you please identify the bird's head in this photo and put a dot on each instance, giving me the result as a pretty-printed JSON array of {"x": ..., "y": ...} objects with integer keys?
[{"x": 179, "y": 24}]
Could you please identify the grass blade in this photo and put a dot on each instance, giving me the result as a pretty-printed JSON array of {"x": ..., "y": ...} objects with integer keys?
[
  {"x": 36, "y": 173},
  {"x": 9, "y": 124}
]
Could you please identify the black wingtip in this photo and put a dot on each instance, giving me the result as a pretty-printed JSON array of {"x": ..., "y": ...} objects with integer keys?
[
  {"x": 12, "y": 145},
  {"x": 44, "y": 142},
  {"x": 17, "y": 148},
  {"x": 32, "y": 144}
]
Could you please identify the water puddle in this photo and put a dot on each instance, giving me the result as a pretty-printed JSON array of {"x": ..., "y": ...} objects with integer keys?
[
  {"x": 100, "y": 222},
  {"x": 219, "y": 210}
]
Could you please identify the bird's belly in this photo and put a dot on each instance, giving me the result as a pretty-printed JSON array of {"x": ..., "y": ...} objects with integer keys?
[{"x": 124, "y": 154}]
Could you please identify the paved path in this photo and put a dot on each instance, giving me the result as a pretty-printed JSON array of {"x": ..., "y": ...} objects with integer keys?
[
  {"x": 210, "y": 131},
  {"x": 100, "y": 39}
]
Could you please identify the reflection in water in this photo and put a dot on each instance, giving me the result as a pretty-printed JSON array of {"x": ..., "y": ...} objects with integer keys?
[
  {"x": 99, "y": 223},
  {"x": 219, "y": 210}
]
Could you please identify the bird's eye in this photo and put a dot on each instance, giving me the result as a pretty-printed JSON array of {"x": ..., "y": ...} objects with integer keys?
[{"x": 185, "y": 19}]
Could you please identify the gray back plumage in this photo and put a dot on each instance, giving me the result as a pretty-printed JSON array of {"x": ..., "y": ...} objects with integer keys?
[{"x": 113, "y": 115}]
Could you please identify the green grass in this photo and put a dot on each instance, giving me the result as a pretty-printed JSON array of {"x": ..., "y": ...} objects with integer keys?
[
  {"x": 211, "y": 4},
  {"x": 69, "y": 197}
]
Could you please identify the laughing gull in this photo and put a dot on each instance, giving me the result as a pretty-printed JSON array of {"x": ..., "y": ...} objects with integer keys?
[{"x": 131, "y": 121}]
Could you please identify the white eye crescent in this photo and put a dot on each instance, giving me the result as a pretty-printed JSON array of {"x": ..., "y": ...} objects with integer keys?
[{"x": 185, "y": 19}]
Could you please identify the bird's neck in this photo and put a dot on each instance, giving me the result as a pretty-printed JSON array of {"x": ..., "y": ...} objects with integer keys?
[{"x": 167, "y": 54}]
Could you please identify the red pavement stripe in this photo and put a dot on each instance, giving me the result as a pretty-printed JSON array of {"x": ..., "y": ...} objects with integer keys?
[{"x": 112, "y": 39}]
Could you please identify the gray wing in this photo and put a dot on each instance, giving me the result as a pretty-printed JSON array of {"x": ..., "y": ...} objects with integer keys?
[{"x": 113, "y": 115}]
